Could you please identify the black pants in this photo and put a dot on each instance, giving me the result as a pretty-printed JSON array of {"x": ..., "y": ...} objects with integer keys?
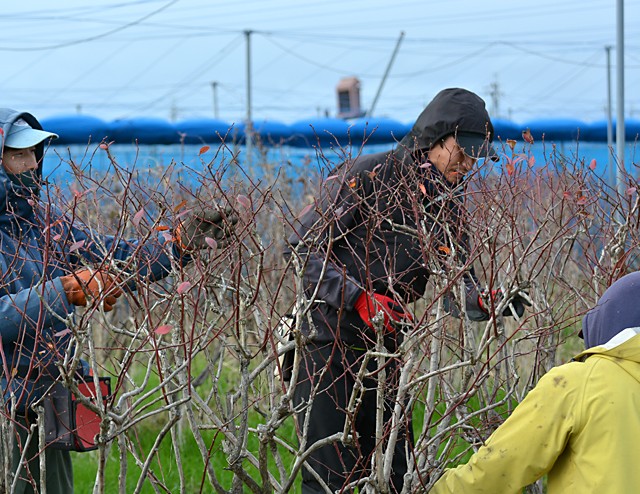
[
  {"x": 330, "y": 370},
  {"x": 59, "y": 476}
]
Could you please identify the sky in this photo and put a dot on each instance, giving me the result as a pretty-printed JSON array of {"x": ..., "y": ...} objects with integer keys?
[{"x": 161, "y": 58}]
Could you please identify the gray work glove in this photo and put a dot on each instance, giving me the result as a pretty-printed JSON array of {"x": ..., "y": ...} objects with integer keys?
[{"x": 207, "y": 228}]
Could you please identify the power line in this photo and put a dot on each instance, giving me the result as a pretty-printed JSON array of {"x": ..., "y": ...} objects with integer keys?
[{"x": 91, "y": 38}]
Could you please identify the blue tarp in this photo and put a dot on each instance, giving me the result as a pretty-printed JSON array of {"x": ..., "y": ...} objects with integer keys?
[{"x": 80, "y": 129}]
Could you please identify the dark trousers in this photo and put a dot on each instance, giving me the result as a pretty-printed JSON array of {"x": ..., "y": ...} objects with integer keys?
[
  {"x": 330, "y": 371},
  {"x": 59, "y": 475}
]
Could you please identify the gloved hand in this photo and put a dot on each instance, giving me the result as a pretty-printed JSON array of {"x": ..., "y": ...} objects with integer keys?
[
  {"x": 518, "y": 302},
  {"x": 93, "y": 285},
  {"x": 201, "y": 224},
  {"x": 369, "y": 304}
]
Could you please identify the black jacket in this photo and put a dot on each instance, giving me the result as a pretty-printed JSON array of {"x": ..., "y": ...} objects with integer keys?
[{"x": 362, "y": 232}]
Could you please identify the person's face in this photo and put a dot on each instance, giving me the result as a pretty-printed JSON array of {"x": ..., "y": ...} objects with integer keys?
[
  {"x": 451, "y": 160},
  {"x": 16, "y": 161}
]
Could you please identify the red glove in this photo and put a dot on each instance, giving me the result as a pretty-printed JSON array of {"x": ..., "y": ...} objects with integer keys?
[
  {"x": 97, "y": 285},
  {"x": 369, "y": 304}
]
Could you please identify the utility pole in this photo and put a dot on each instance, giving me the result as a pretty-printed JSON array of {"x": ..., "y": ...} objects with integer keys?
[
  {"x": 214, "y": 88},
  {"x": 248, "y": 130},
  {"x": 386, "y": 73},
  {"x": 620, "y": 130},
  {"x": 612, "y": 170},
  {"x": 495, "y": 98},
  {"x": 174, "y": 111}
]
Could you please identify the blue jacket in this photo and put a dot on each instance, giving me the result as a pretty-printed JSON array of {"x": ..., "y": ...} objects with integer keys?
[{"x": 39, "y": 245}]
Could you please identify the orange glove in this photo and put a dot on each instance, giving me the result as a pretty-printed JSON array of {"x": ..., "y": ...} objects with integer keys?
[{"x": 89, "y": 284}]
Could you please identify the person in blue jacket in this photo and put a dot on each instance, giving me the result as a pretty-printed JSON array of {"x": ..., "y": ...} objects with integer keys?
[{"x": 43, "y": 279}]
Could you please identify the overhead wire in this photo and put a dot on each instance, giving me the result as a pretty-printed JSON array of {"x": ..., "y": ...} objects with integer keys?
[{"x": 95, "y": 37}]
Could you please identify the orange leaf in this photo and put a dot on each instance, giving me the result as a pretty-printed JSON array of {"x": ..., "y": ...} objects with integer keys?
[
  {"x": 592, "y": 165},
  {"x": 161, "y": 228},
  {"x": 526, "y": 135},
  {"x": 511, "y": 143},
  {"x": 510, "y": 168},
  {"x": 180, "y": 206},
  {"x": 582, "y": 200},
  {"x": 203, "y": 150},
  {"x": 423, "y": 189},
  {"x": 445, "y": 249}
]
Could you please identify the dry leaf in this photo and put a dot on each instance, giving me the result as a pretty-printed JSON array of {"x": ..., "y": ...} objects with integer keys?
[{"x": 526, "y": 135}]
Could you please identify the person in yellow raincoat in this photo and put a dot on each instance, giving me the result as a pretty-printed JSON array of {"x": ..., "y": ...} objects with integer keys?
[{"x": 581, "y": 424}]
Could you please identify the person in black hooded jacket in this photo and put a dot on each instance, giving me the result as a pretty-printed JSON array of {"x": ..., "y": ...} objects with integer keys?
[{"x": 364, "y": 250}]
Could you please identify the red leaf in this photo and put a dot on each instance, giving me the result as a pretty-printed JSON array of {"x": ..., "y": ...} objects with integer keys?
[
  {"x": 631, "y": 191},
  {"x": 183, "y": 287},
  {"x": 582, "y": 200},
  {"x": 138, "y": 216},
  {"x": 57, "y": 237},
  {"x": 211, "y": 242},
  {"x": 76, "y": 245},
  {"x": 164, "y": 329},
  {"x": 425, "y": 165},
  {"x": 592, "y": 165},
  {"x": 531, "y": 161},
  {"x": 526, "y": 135},
  {"x": 203, "y": 150},
  {"x": 244, "y": 200},
  {"x": 62, "y": 333},
  {"x": 306, "y": 209}
]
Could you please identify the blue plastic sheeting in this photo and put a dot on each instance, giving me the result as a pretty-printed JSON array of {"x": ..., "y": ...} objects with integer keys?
[
  {"x": 204, "y": 130},
  {"x": 143, "y": 130},
  {"x": 559, "y": 129},
  {"x": 79, "y": 129},
  {"x": 506, "y": 129},
  {"x": 319, "y": 131},
  {"x": 597, "y": 131},
  {"x": 269, "y": 132},
  {"x": 377, "y": 130},
  {"x": 76, "y": 129}
]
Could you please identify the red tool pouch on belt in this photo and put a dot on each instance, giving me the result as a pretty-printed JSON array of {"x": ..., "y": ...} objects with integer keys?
[{"x": 69, "y": 424}]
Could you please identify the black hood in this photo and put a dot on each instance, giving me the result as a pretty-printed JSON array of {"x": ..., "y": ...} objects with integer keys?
[
  {"x": 453, "y": 111},
  {"x": 617, "y": 309}
]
